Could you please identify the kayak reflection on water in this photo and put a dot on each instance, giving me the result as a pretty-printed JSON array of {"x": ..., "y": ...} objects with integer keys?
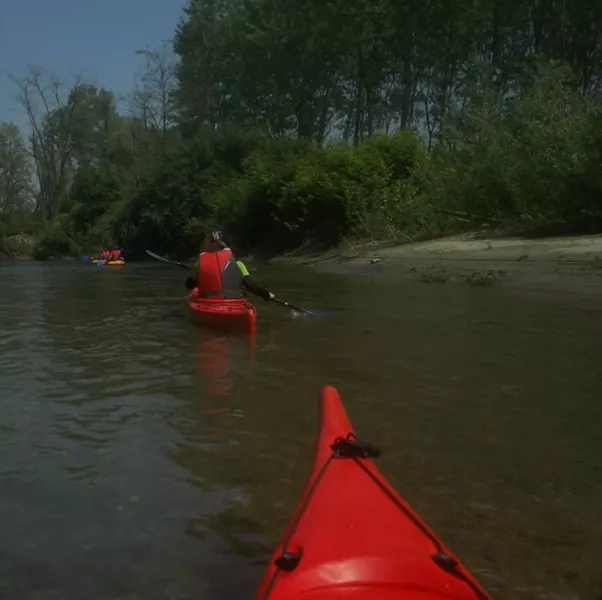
[{"x": 222, "y": 359}]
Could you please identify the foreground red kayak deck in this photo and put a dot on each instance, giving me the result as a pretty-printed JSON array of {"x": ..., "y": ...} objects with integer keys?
[
  {"x": 353, "y": 537},
  {"x": 238, "y": 315}
]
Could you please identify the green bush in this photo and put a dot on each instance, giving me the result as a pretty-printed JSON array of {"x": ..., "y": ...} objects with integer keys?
[
  {"x": 401, "y": 152},
  {"x": 170, "y": 210},
  {"x": 291, "y": 194},
  {"x": 92, "y": 195},
  {"x": 20, "y": 222},
  {"x": 534, "y": 164},
  {"x": 56, "y": 240},
  {"x": 254, "y": 207}
]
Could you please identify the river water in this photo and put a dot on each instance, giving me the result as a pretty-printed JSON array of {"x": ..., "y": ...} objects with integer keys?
[{"x": 144, "y": 458}]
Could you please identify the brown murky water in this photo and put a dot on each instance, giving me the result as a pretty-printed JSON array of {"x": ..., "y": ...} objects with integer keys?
[{"x": 142, "y": 458}]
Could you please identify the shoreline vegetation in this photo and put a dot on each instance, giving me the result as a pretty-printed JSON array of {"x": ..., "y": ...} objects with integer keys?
[
  {"x": 569, "y": 263},
  {"x": 293, "y": 132}
]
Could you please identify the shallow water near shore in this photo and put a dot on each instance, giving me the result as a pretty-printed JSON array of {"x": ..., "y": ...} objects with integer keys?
[{"x": 146, "y": 458}]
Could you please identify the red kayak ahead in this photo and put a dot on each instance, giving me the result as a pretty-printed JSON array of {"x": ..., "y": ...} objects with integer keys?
[
  {"x": 352, "y": 536},
  {"x": 237, "y": 315}
]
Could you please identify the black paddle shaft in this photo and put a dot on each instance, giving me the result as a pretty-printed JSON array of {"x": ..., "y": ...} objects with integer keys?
[
  {"x": 291, "y": 306},
  {"x": 166, "y": 260}
]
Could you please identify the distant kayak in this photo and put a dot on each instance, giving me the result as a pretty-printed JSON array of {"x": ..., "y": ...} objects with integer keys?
[
  {"x": 108, "y": 263},
  {"x": 236, "y": 315},
  {"x": 352, "y": 536}
]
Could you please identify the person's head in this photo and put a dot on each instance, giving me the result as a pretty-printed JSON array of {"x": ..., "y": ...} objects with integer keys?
[{"x": 214, "y": 242}]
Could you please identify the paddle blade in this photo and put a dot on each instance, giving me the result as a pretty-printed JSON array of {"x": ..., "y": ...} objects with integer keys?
[
  {"x": 321, "y": 312},
  {"x": 291, "y": 306},
  {"x": 314, "y": 313}
]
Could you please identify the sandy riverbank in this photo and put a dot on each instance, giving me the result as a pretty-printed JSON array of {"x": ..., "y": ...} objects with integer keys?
[{"x": 570, "y": 263}]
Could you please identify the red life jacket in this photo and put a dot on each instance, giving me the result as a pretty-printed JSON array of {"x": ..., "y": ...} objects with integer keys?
[
  {"x": 219, "y": 275},
  {"x": 104, "y": 255},
  {"x": 115, "y": 255}
]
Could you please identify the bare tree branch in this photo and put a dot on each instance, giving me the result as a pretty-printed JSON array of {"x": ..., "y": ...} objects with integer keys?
[
  {"x": 50, "y": 113},
  {"x": 154, "y": 95}
]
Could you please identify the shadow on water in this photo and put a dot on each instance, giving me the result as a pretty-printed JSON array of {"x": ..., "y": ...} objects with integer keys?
[{"x": 145, "y": 458}]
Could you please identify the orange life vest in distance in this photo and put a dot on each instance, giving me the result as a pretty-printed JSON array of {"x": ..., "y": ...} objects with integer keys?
[
  {"x": 105, "y": 255},
  {"x": 219, "y": 276},
  {"x": 115, "y": 255}
]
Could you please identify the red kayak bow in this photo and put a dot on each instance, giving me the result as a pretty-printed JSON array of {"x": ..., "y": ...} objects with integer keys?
[{"x": 352, "y": 536}]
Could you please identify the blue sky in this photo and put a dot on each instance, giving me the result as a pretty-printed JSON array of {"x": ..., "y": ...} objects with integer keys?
[{"x": 98, "y": 38}]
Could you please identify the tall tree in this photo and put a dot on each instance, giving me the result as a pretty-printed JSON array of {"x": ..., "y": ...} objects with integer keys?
[
  {"x": 154, "y": 101},
  {"x": 350, "y": 70},
  {"x": 95, "y": 125},
  {"x": 15, "y": 171},
  {"x": 51, "y": 113},
  {"x": 200, "y": 41}
]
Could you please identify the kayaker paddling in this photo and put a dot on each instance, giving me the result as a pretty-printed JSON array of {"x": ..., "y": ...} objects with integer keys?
[
  {"x": 219, "y": 275},
  {"x": 115, "y": 254}
]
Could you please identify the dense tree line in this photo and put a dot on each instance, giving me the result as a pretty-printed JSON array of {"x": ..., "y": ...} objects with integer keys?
[
  {"x": 319, "y": 67},
  {"x": 295, "y": 123}
]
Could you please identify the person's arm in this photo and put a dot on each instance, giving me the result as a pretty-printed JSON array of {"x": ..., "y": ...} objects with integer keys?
[
  {"x": 191, "y": 280},
  {"x": 251, "y": 285}
]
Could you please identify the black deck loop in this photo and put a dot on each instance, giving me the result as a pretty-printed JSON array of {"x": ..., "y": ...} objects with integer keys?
[
  {"x": 353, "y": 448},
  {"x": 445, "y": 562},
  {"x": 288, "y": 561}
]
